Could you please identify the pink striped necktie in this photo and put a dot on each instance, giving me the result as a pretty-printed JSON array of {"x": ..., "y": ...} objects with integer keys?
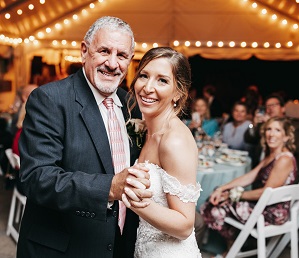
[{"x": 118, "y": 151}]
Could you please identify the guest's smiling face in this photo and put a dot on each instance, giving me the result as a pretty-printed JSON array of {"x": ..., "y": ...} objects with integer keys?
[
  {"x": 273, "y": 107},
  {"x": 239, "y": 113},
  {"x": 275, "y": 135},
  {"x": 201, "y": 107}
]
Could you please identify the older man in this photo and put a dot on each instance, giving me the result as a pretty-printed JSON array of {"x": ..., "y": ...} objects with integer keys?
[{"x": 68, "y": 167}]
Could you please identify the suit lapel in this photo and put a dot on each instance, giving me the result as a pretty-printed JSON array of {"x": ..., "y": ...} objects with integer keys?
[{"x": 92, "y": 118}]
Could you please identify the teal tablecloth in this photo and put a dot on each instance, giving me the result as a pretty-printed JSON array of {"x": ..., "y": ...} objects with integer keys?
[{"x": 221, "y": 174}]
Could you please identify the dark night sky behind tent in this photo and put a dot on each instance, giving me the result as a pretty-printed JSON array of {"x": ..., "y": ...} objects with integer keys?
[{"x": 231, "y": 77}]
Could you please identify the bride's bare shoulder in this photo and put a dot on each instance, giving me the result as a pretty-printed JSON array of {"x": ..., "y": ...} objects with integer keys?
[{"x": 178, "y": 136}]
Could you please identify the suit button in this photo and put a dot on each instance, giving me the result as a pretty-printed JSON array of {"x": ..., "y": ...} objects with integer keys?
[
  {"x": 87, "y": 214},
  {"x": 82, "y": 213},
  {"x": 109, "y": 247},
  {"x": 78, "y": 213},
  {"x": 92, "y": 215},
  {"x": 114, "y": 214}
]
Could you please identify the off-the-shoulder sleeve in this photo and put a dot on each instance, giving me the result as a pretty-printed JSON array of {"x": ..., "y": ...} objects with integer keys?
[{"x": 186, "y": 193}]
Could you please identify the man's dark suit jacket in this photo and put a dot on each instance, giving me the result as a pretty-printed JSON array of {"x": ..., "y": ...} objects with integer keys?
[{"x": 66, "y": 173}]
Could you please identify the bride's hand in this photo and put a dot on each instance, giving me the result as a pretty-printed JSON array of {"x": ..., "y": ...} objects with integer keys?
[
  {"x": 140, "y": 179},
  {"x": 131, "y": 203}
]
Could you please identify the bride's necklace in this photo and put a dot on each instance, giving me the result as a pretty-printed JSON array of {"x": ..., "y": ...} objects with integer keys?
[
  {"x": 158, "y": 132},
  {"x": 162, "y": 130}
]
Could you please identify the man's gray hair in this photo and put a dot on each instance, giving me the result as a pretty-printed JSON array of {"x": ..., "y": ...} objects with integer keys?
[{"x": 112, "y": 23}]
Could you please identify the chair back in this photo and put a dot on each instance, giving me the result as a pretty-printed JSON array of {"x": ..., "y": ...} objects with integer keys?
[
  {"x": 13, "y": 158},
  {"x": 283, "y": 194},
  {"x": 272, "y": 196},
  {"x": 255, "y": 225}
]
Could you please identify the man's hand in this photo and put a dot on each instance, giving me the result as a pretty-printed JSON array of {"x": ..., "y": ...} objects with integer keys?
[{"x": 133, "y": 181}]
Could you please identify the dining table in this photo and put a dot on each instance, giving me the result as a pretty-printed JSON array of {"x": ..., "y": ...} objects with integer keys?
[
  {"x": 221, "y": 173},
  {"x": 215, "y": 168}
]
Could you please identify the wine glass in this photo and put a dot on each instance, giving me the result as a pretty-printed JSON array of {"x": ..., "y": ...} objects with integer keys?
[{"x": 217, "y": 139}]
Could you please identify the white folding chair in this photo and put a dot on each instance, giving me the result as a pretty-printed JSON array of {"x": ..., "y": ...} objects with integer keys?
[
  {"x": 284, "y": 240},
  {"x": 255, "y": 225},
  {"x": 18, "y": 200}
]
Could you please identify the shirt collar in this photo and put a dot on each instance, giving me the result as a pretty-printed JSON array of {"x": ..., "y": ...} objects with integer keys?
[{"x": 99, "y": 98}]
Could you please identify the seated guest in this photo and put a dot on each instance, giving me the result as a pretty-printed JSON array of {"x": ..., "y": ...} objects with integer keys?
[
  {"x": 24, "y": 96},
  {"x": 278, "y": 168},
  {"x": 253, "y": 99},
  {"x": 199, "y": 228},
  {"x": 15, "y": 143},
  {"x": 274, "y": 106},
  {"x": 26, "y": 91},
  {"x": 5, "y": 143},
  {"x": 186, "y": 114},
  {"x": 233, "y": 132},
  {"x": 292, "y": 112},
  {"x": 208, "y": 124},
  {"x": 215, "y": 106}
]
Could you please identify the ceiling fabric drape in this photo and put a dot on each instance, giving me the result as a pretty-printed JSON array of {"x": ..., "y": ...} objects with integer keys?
[{"x": 164, "y": 21}]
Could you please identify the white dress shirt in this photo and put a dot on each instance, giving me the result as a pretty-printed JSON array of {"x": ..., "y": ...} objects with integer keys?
[{"x": 117, "y": 105}]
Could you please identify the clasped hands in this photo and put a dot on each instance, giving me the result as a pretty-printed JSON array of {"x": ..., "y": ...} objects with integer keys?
[{"x": 131, "y": 186}]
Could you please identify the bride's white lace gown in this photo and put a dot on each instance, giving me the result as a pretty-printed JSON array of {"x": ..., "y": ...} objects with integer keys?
[{"x": 151, "y": 242}]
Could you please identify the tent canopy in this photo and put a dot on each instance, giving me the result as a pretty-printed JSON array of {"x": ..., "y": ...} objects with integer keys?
[{"x": 163, "y": 22}]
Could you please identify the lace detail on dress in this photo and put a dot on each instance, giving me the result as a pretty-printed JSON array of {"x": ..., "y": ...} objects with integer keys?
[
  {"x": 171, "y": 185},
  {"x": 153, "y": 243},
  {"x": 186, "y": 193}
]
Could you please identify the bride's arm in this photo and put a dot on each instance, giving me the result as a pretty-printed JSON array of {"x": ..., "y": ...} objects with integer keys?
[{"x": 179, "y": 157}]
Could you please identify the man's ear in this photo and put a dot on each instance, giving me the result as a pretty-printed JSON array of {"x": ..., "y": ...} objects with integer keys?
[
  {"x": 132, "y": 56},
  {"x": 84, "y": 50}
]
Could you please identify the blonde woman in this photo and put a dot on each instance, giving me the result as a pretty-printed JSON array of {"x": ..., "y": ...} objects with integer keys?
[{"x": 278, "y": 168}]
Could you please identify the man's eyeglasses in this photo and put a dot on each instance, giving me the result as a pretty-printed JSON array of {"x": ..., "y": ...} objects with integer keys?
[{"x": 272, "y": 105}]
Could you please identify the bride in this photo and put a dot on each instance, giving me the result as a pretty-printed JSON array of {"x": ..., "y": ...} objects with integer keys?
[{"x": 166, "y": 227}]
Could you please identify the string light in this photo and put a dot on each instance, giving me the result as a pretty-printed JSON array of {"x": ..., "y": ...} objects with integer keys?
[
  {"x": 220, "y": 44},
  {"x": 210, "y": 44},
  {"x": 197, "y": 43},
  {"x": 232, "y": 44}
]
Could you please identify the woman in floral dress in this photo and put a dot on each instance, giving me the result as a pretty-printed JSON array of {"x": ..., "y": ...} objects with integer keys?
[{"x": 278, "y": 168}]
